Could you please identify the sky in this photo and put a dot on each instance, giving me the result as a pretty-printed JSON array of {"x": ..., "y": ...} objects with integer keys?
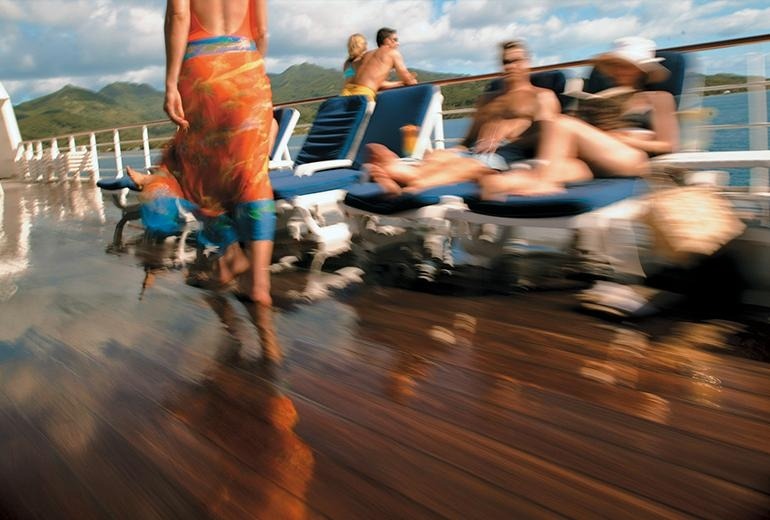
[{"x": 46, "y": 44}]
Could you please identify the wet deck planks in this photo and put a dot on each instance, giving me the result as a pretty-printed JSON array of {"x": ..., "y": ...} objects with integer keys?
[{"x": 390, "y": 403}]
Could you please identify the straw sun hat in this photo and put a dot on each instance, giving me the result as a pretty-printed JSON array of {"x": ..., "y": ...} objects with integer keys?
[{"x": 639, "y": 52}]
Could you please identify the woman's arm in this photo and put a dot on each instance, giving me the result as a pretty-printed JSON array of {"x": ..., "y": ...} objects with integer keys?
[
  {"x": 260, "y": 26},
  {"x": 664, "y": 126},
  {"x": 177, "y": 26}
]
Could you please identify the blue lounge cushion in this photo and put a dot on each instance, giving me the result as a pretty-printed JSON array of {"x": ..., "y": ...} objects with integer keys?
[
  {"x": 371, "y": 197},
  {"x": 287, "y": 187},
  {"x": 280, "y": 173},
  {"x": 578, "y": 198}
]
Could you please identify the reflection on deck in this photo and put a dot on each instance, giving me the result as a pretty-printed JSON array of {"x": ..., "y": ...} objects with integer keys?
[{"x": 390, "y": 403}]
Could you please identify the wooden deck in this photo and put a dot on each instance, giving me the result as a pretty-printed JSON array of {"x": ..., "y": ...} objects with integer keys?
[{"x": 389, "y": 404}]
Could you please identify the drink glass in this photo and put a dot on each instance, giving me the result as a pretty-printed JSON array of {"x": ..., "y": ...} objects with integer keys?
[{"x": 409, "y": 139}]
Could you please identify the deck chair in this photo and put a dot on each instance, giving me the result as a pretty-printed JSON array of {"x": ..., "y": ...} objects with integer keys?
[
  {"x": 312, "y": 202},
  {"x": 585, "y": 210},
  {"x": 287, "y": 118},
  {"x": 416, "y": 221},
  {"x": 333, "y": 138}
]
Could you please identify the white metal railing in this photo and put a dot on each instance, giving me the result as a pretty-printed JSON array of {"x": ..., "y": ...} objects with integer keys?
[
  {"x": 51, "y": 159},
  {"x": 62, "y": 157}
]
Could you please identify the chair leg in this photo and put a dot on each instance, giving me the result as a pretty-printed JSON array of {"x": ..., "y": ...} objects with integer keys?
[{"x": 117, "y": 236}]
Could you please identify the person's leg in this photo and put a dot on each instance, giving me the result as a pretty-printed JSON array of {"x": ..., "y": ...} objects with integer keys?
[
  {"x": 459, "y": 169},
  {"x": 571, "y": 138},
  {"x": 543, "y": 180},
  {"x": 256, "y": 228},
  {"x": 387, "y": 167},
  {"x": 439, "y": 170},
  {"x": 273, "y": 134},
  {"x": 257, "y": 287}
]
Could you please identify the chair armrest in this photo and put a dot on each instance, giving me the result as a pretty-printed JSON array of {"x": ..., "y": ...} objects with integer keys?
[
  {"x": 739, "y": 159},
  {"x": 310, "y": 168},
  {"x": 278, "y": 164}
]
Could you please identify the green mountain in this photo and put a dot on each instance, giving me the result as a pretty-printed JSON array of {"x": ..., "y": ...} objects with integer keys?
[
  {"x": 74, "y": 109},
  {"x": 141, "y": 99}
]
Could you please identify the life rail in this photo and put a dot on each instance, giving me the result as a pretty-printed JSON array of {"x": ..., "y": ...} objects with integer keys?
[{"x": 71, "y": 155}]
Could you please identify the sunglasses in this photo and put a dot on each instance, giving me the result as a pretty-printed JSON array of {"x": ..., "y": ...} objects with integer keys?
[{"x": 512, "y": 61}]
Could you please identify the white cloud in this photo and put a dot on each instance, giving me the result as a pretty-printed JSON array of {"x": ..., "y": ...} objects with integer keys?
[{"x": 48, "y": 43}]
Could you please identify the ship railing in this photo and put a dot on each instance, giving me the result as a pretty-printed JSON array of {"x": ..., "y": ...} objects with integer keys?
[
  {"x": 82, "y": 155},
  {"x": 89, "y": 155}
]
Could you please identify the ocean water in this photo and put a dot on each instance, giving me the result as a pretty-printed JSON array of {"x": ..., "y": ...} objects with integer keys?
[{"x": 727, "y": 109}]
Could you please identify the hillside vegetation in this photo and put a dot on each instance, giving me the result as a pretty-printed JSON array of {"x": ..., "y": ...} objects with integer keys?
[{"x": 74, "y": 109}]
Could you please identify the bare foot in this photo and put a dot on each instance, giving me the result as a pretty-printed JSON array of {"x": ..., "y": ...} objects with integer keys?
[
  {"x": 138, "y": 178},
  {"x": 380, "y": 154},
  {"x": 389, "y": 185},
  {"x": 401, "y": 172},
  {"x": 373, "y": 169},
  {"x": 231, "y": 264}
]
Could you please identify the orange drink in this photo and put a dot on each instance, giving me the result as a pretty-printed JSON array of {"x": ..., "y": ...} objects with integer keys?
[{"x": 409, "y": 139}]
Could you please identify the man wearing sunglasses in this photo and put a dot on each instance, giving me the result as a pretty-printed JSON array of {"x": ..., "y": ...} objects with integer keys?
[
  {"x": 508, "y": 128},
  {"x": 376, "y": 65}
]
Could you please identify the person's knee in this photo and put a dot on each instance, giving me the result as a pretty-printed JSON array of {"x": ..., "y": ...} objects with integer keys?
[{"x": 633, "y": 161}]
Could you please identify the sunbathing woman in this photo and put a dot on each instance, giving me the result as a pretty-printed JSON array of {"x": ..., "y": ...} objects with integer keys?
[
  {"x": 579, "y": 151},
  {"x": 506, "y": 128}
]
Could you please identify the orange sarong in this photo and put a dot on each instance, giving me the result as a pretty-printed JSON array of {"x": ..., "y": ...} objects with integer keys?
[{"x": 220, "y": 164}]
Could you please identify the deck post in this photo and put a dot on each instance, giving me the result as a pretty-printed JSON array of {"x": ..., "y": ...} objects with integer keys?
[
  {"x": 757, "y": 117},
  {"x": 118, "y": 153},
  {"x": 119, "y": 163},
  {"x": 94, "y": 158},
  {"x": 38, "y": 161},
  {"x": 29, "y": 154},
  {"x": 146, "y": 146},
  {"x": 52, "y": 161}
]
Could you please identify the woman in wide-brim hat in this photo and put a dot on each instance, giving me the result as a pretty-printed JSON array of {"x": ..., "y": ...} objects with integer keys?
[
  {"x": 635, "y": 52},
  {"x": 573, "y": 150}
]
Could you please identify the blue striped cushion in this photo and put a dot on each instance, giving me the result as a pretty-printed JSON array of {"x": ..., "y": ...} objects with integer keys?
[{"x": 333, "y": 130}]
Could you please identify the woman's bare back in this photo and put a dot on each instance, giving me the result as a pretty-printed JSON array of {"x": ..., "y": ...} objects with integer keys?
[{"x": 220, "y": 17}]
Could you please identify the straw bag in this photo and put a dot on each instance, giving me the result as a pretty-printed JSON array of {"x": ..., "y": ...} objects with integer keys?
[{"x": 687, "y": 221}]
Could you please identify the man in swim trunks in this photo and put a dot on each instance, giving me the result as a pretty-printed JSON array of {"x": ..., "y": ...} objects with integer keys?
[
  {"x": 375, "y": 66},
  {"x": 508, "y": 126}
]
